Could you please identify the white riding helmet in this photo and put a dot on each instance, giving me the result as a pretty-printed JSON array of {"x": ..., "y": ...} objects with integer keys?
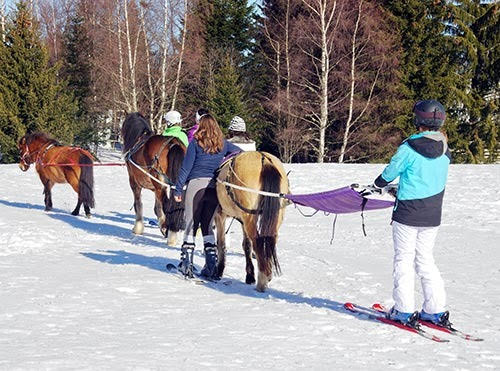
[
  {"x": 172, "y": 117},
  {"x": 237, "y": 124}
]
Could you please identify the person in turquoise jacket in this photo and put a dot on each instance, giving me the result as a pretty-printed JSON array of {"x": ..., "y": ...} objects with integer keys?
[
  {"x": 173, "y": 129},
  {"x": 421, "y": 163}
]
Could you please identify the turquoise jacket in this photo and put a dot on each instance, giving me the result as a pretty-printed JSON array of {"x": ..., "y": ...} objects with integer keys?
[{"x": 421, "y": 163}]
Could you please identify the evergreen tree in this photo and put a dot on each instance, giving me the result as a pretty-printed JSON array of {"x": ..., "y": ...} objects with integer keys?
[
  {"x": 475, "y": 27},
  {"x": 225, "y": 94},
  {"x": 77, "y": 70},
  {"x": 427, "y": 69},
  {"x": 32, "y": 98},
  {"x": 228, "y": 24},
  {"x": 221, "y": 32}
]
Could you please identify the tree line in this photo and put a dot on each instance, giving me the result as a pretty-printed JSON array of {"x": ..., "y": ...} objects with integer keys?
[{"x": 315, "y": 80}]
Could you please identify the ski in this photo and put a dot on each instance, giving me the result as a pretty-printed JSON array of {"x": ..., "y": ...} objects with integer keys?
[
  {"x": 379, "y": 316},
  {"x": 173, "y": 269},
  {"x": 449, "y": 330},
  {"x": 197, "y": 279}
]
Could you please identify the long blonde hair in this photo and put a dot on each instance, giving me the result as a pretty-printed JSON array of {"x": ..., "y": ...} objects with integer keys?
[{"x": 209, "y": 135}]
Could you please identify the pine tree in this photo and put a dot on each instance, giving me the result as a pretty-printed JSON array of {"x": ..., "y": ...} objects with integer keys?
[
  {"x": 228, "y": 24},
  {"x": 427, "y": 71},
  {"x": 77, "y": 70},
  {"x": 32, "y": 98},
  {"x": 225, "y": 93},
  {"x": 475, "y": 28},
  {"x": 221, "y": 32}
]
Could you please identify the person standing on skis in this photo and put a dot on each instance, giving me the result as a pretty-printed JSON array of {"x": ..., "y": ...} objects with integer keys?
[{"x": 421, "y": 163}]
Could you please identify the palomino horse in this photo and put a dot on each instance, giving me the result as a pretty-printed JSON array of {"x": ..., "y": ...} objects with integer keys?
[
  {"x": 152, "y": 159},
  {"x": 260, "y": 215},
  {"x": 59, "y": 164}
]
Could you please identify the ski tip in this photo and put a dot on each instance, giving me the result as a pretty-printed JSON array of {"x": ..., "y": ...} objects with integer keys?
[
  {"x": 349, "y": 306},
  {"x": 378, "y": 307},
  {"x": 439, "y": 340}
]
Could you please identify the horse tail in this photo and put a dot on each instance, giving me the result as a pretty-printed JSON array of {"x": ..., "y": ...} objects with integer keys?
[
  {"x": 86, "y": 182},
  {"x": 270, "y": 179},
  {"x": 174, "y": 210}
]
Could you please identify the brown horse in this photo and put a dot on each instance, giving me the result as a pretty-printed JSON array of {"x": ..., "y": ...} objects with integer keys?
[
  {"x": 153, "y": 162},
  {"x": 260, "y": 215},
  {"x": 59, "y": 164}
]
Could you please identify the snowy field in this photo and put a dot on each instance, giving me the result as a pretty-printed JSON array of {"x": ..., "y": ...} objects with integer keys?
[{"x": 79, "y": 293}]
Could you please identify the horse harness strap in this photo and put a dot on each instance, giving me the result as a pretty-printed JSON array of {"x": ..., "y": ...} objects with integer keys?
[
  {"x": 155, "y": 165},
  {"x": 166, "y": 182},
  {"x": 231, "y": 194}
]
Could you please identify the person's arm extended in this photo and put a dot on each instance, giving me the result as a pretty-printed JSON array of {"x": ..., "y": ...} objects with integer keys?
[{"x": 395, "y": 168}]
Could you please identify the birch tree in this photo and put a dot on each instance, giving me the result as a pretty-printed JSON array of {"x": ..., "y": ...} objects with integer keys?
[{"x": 324, "y": 17}]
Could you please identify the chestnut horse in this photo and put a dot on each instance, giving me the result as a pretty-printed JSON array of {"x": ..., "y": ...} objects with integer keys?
[
  {"x": 59, "y": 164},
  {"x": 151, "y": 157},
  {"x": 260, "y": 215}
]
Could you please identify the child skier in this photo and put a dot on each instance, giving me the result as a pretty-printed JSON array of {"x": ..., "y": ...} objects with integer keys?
[{"x": 421, "y": 163}]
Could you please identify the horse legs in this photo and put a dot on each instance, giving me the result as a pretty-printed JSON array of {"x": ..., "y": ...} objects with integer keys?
[
  {"x": 47, "y": 187},
  {"x": 219, "y": 220},
  {"x": 249, "y": 243},
  {"x": 247, "y": 248},
  {"x": 139, "y": 224},
  {"x": 162, "y": 220}
]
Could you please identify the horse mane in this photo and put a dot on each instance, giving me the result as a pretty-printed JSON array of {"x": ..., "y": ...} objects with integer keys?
[
  {"x": 38, "y": 135},
  {"x": 134, "y": 126}
]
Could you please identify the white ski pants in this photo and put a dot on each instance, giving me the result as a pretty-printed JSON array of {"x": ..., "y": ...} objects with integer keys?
[{"x": 413, "y": 253}]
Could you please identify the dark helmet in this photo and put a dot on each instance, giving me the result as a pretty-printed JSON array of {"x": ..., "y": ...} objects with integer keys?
[{"x": 429, "y": 113}]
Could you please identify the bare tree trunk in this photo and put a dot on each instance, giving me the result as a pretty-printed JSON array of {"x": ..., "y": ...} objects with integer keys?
[
  {"x": 351, "y": 121},
  {"x": 163, "y": 84},
  {"x": 151, "y": 97},
  {"x": 54, "y": 30},
  {"x": 121, "y": 80},
  {"x": 179, "y": 66},
  {"x": 353, "y": 81},
  {"x": 131, "y": 59}
]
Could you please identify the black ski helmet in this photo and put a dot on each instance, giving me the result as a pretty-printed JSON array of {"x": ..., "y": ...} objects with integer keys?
[{"x": 429, "y": 113}]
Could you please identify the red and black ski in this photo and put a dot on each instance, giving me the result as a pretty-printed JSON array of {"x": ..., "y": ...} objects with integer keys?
[
  {"x": 379, "y": 316},
  {"x": 449, "y": 330}
]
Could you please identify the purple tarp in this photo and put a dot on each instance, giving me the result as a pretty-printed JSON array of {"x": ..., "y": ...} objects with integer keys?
[{"x": 339, "y": 201}]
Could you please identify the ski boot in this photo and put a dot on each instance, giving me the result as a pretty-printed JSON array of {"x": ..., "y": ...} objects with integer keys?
[
  {"x": 408, "y": 319},
  {"x": 440, "y": 319},
  {"x": 186, "y": 264},
  {"x": 210, "y": 268}
]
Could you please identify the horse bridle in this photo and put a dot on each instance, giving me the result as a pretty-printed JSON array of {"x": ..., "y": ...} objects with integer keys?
[{"x": 29, "y": 155}]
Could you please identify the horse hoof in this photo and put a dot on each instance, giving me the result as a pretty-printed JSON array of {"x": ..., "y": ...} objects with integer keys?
[
  {"x": 88, "y": 216},
  {"x": 138, "y": 228},
  {"x": 250, "y": 280},
  {"x": 261, "y": 288}
]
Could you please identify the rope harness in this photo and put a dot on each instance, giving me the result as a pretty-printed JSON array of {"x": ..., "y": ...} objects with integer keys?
[
  {"x": 128, "y": 158},
  {"x": 245, "y": 188}
]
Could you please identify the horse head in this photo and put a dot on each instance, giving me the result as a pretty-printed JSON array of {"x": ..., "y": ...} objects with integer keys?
[
  {"x": 30, "y": 146},
  {"x": 25, "y": 153}
]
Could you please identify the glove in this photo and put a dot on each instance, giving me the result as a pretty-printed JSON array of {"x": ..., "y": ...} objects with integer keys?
[{"x": 372, "y": 189}]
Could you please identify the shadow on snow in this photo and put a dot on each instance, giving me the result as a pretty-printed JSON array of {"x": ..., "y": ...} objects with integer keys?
[{"x": 121, "y": 257}]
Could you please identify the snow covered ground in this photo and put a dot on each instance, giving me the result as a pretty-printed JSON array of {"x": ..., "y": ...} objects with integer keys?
[{"x": 79, "y": 293}]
